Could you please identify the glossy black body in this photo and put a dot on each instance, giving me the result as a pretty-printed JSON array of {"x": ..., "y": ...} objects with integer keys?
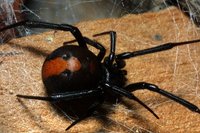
[{"x": 87, "y": 77}]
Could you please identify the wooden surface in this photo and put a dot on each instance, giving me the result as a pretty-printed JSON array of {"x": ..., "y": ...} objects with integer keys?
[{"x": 176, "y": 70}]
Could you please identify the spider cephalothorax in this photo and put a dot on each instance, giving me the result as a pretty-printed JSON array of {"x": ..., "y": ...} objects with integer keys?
[{"x": 77, "y": 80}]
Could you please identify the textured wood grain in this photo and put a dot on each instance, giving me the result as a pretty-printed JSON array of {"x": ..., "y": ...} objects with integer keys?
[{"x": 176, "y": 70}]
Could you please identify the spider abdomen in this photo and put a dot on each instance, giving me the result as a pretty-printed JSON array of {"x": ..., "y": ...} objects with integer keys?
[{"x": 70, "y": 68}]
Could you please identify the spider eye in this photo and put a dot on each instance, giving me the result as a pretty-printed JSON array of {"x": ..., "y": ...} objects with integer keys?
[{"x": 65, "y": 56}]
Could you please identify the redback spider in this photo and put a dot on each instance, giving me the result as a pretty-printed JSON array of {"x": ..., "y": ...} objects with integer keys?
[{"x": 77, "y": 81}]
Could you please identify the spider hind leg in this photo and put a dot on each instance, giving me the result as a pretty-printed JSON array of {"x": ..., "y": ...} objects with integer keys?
[
  {"x": 154, "y": 88},
  {"x": 129, "y": 95},
  {"x": 90, "y": 111}
]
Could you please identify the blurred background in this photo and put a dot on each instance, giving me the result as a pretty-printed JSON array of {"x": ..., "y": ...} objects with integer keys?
[{"x": 74, "y": 11}]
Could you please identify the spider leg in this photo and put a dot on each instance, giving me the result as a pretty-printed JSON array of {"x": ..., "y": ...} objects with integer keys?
[
  {"x": 152, "y": 87},
  {"x": 89, "y": 112},
  {"x": 93, "y": 43},
  {"x": 97, "y": 45},
  {"x": 119, "y": 63},
  {"x": 129, "y": 95},
  {"x": 159, "y": 48},
  {"x": 63, "y": 112},
  {"x": 37, "y": 24},
  {"x": 65, "y": 96},
  {"x": 111, "y": 57},
  {"x": 69, "y": 42}
]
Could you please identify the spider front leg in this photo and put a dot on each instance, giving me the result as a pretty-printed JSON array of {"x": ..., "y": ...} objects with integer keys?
[
  {"x": 97, "y": 45},
  {"x": 152, "y": 87},
  {"x": 64, "y": 96},
  {"x": 111, "y": 57},
  {"x": 163, "y": 47},
  {"x": 38, "y": 24},
  {"x": 92, "y": 43},
  {"x": 119, "y": 63}
]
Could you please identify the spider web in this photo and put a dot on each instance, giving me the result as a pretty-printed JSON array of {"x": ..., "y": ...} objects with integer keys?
[{"x": 72, "y": 12}]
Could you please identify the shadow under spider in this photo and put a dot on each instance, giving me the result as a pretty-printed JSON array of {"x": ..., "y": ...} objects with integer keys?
[
  {"x": 32, "y": 116},
  {"x": 32, "y": 49},
  {"x": 107, "y": 121}
]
